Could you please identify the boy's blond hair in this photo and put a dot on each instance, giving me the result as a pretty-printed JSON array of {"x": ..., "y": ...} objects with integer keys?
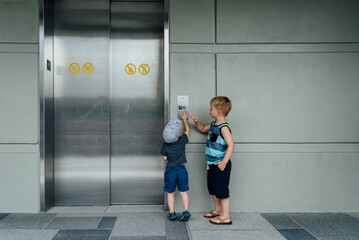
[{"x": 222, "y": 103}]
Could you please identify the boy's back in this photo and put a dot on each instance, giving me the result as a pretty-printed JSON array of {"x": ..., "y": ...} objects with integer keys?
[{"x": 175, "y": 152}]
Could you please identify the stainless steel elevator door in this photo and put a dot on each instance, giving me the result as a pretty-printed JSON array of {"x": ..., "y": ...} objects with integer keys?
[
  {"x": 136, "y": 102},
  {"x": 81, "y": 103}
]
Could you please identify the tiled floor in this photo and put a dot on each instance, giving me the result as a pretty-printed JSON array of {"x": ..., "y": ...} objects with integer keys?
[{"x": 149, "y": 222}]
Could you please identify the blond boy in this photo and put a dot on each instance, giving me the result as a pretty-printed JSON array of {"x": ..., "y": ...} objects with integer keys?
[{"x": 219, "y": 150}]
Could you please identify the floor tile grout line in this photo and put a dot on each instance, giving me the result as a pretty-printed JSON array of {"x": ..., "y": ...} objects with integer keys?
[
  {"x": 58, "y": 230},
  {"x": 98, "y": 223},
  {"x": 5, "y": 217},
  {"x": 109, "y": 238},
  {"x": 302, "y": 226},
  {"x": 351, "y": 216},
  {"x": 188, "y": 231},
  {"x": 49, "y": 222}
]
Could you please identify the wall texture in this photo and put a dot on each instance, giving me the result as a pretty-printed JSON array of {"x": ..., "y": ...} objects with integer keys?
[
  {"x": 290, "y": 69},
  {"x": 19, "y": 106}
]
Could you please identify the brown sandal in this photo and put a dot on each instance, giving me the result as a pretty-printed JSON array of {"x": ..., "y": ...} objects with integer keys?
[
  {"x": 221, "y": 221},
  {"x": 211, "y": 213}
]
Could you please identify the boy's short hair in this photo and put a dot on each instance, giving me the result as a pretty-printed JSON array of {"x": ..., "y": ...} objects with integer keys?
[{"x": 222, "y": 103}]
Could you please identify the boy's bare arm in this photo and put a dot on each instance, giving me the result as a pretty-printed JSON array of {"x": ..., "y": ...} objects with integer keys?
[
  {"x": 164, "y": 158},
  {"x": 184, "y": 117},
  {"x": 227, "y": 135},
  {"x": 202, "y": 128}
]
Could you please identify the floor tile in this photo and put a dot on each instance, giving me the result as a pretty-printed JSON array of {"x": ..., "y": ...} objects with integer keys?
[
  {"x": 341, "y": 237},
  {"x": 327, "y": 224},
  {"x": 235, "y": 235},
  {"x": 3, "y": 215},
  {"x": 296, "y": 234},
  {"x": 135, "y": 208},
  {"x": 140, "y": 224},
  {"x": 280, "y": 221},
  {"x": 28, "y": 234},
  {"x": 74, "y": 223},
  {"x": 354, "y": 215},
  {"x": 241, "y": 221},
  {"x": 78, "y": 209},
  {"x": 140, "y": 238},
  {"x": 82, "y": 235},
  {"x": 26, "y": 221},
  {"x": 176, "y": 230},
  {"x": 107, "y": 222}
]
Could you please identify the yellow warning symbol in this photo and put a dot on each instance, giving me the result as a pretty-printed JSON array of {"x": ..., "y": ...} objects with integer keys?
[
  {"x": 88, "y": 68},
  {"x": 144, "y": 69},
  {"x": 74, "y": 68},
  {"x": 130, "y": 69}
]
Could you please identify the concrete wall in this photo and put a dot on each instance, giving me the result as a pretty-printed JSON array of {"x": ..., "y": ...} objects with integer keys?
[
  {"x": 290, "y": 69},
  {"x": 19, "y": 106}
]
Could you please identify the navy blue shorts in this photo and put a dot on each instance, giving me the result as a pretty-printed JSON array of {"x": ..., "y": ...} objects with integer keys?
[
  {"x": 218, "y": 181},
  {"x": 177, "y": 176}
]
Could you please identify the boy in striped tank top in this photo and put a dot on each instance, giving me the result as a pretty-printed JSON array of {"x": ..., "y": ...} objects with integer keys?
[{"x": 219, "y": 150}]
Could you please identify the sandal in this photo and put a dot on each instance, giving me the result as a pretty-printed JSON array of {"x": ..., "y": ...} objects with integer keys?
[
  {"x": 212, "y": 214},
  {"x": 221, "y": 221}
]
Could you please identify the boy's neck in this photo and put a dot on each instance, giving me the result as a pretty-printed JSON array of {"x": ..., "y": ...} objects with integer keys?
[{"x": 220, "y": 120}]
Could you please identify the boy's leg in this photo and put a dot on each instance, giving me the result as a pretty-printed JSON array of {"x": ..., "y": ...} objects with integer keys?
[
  {"x": 225, "y": 207},
  {"x": 217, "y": 205},
  {"x": 224, "y": 217},
  {"x": 171, "y": 202},
  {"x": 185, "y": 200}
]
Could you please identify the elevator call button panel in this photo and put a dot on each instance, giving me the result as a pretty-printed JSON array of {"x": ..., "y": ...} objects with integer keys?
[{"x": 182, "y": 105}]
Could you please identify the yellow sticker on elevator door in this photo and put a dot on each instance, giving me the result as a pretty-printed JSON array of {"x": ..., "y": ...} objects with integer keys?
[
  {"x": 144, "y": 69},
  {"x": 74, "y": 68},
  {"x": 130, "y": 69},
  {"x": 88, "y": 68}
]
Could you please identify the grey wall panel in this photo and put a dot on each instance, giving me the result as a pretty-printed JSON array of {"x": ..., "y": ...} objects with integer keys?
[
  {"x": 246, "y": 21},
  {"x": 294, "y": 182},
  {"x": 19, "y": 98},
  {"x": 19, "y": 179},
  {"x": 193, "y": 75},
  {"x": 303, "y": 97},
  {"x": 192, "y": 21},
  {"x": 19, "y": 21}
]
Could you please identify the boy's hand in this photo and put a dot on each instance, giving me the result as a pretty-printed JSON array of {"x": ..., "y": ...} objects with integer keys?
[
  {"x": 221, "y": 165},
  {"x": 184, "y": 115},
  {"x": 194, "y": 118}
]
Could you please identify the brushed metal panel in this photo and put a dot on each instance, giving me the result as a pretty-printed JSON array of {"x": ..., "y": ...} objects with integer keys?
[
  {"x": 81, "y": 103},
  {"x": 46, "y": 106},
  {"x": 136, "y": 103}
]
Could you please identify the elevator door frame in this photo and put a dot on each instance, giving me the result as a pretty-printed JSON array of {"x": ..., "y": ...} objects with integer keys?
[{"x": 46, "y": 97}]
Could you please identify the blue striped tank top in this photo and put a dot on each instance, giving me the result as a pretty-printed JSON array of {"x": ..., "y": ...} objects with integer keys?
[{"x": 216, "y": 146}]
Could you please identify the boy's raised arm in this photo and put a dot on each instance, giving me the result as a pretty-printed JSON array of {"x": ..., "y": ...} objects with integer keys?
[
  {"x": 184, "y": 117},
  {"x": 202, "y": 128}
]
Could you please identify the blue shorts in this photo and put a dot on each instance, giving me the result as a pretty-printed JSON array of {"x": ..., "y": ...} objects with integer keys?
[
  {"x": 218, "y": 181},
  {"x": 177, "y": 176}
]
